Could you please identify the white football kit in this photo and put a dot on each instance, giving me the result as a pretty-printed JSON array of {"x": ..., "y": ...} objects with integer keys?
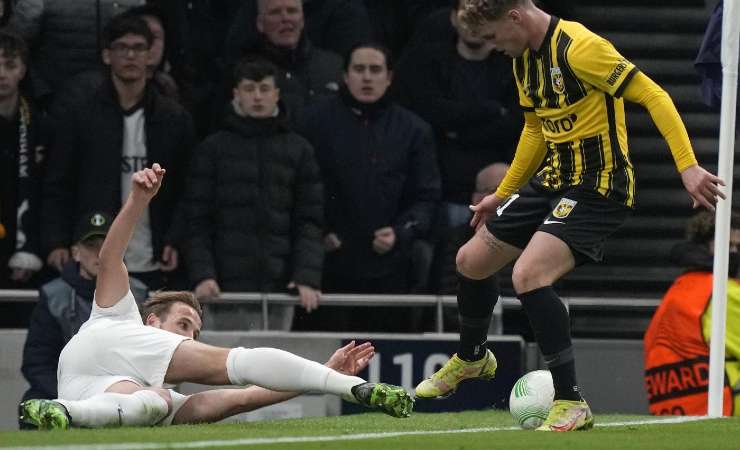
[{"x": 114, "y": 345}]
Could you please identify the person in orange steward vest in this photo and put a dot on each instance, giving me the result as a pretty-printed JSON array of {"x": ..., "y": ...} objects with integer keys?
[{"x": 677, "y": 340}]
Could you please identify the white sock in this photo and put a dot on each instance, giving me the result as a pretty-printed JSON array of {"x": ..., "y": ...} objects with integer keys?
[
  {"x": 142, "y": 408},
  {"x": 282, "y": 371}
]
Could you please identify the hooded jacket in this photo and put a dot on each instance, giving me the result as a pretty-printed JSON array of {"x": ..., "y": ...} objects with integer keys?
[{"x": 255, "y": 207}]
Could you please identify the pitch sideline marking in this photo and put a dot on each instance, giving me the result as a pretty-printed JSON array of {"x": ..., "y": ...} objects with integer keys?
[{"x": 335, "y": 438}]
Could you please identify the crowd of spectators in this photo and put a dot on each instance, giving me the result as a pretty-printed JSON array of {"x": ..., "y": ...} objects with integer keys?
[{"x": 311, "y": 146}]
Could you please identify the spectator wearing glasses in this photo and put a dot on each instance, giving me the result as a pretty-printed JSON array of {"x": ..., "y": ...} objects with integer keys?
[{"x": 117, "y": 127}]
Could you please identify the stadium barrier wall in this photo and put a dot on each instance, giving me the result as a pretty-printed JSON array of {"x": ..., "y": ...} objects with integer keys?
[{"x": 610, "y": 371}]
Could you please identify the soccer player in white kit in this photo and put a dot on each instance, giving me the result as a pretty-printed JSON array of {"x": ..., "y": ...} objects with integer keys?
[{"x": 113, "y": 372}]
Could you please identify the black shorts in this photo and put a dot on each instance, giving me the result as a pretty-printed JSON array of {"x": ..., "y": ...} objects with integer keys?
[{"x": 580, "y": 217}]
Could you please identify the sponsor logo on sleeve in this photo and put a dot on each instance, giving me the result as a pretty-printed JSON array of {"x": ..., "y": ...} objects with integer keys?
[{"x": 617, "y": 72}]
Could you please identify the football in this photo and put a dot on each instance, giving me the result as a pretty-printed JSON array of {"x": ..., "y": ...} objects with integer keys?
[{"x": 531, "y": 399}]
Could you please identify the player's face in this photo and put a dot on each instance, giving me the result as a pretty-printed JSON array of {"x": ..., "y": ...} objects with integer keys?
[
  {"x": 258, "y": 99},
  {"x": 367, "y": 77},
  {"x": 506, "y": 35},
  {"x": 86, "y": 254},
  {"x": 128, "y": 57},
  {"x": 281, "y": 21},
  {"x": 12, "y": 71},
  {"x": 181, "y": 319}
]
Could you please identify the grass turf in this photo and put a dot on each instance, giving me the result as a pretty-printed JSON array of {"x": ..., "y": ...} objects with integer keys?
[{"x": 714, "y": 434}]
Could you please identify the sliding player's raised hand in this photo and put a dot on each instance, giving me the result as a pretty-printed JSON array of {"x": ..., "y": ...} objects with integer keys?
[
  {"x": 146, "y": 183},
  {"x": 702, "y": 186}
]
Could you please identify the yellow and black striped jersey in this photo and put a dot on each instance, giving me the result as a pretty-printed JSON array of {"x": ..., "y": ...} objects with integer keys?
[{"x": 574, "y": 84}]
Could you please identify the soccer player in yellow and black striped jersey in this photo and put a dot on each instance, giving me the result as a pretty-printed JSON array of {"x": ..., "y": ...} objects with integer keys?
[{"x": 573, "y": 152}]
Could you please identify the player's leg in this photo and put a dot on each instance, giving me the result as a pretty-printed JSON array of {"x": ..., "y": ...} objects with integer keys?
[
  {"x": 545, "y": 260},
  {"x": 477, "y": 261},
  {"x": 122, "y": 404},
  {"x": 495, "y": 244},
  {"x": 217, "y": 404},
  {"x": 279, "y": 370}
]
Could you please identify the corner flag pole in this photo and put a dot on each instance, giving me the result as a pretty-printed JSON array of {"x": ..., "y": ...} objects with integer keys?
[{"x": 730, "y": 38}]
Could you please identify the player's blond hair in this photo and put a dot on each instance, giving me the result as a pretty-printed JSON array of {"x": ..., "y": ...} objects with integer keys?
[{"x": 474, "y": 13}]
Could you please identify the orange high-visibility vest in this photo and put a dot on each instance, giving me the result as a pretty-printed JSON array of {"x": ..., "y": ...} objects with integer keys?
[{"x": 676, "y": 355}]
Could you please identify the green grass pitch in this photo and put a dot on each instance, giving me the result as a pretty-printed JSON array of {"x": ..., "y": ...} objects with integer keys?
[{"x": 487, "y": 430}]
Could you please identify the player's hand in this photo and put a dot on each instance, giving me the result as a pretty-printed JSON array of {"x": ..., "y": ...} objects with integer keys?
[
  {"x": 207, "y": 289},
  {"x": 484, "y": 209},
  {"x": 146, "y": 183},
  {"x": 702, "y": 186},
  {"x": 385, "y": 240},
  {"x": 58, "y": 258},
  {"x": 309, "y": 296},
  {"x": 169, "y": 259},
  {"x": 351, "y": 359},
  {"x": 332, "y": 242}
]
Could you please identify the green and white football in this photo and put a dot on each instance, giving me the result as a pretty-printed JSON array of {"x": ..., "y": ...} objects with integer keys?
[{"x": 531, "y": 399}]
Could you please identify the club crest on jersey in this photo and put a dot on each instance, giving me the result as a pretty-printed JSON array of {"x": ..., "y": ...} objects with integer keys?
[
  {"x": 558, "y": 83},
  {"x": 564, "y": 208}
]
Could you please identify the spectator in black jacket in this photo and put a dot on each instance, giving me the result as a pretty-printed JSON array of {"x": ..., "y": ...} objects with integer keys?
[
  {"x": 381, "y": 182},
  {"x": 24, "y": 136},
  {"x": 466, "y": 92},
  {"x": 64, "y": 305},
  {"x": 255, "y": 205},
  {"x": 306, "y": 73},
  {"x": 117, "y": 128}
]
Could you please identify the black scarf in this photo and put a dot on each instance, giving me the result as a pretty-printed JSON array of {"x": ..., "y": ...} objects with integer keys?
[{"x": 24, "y": 189}]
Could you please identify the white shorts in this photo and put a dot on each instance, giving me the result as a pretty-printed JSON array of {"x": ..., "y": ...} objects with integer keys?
[{"x": 109, "y": 351}]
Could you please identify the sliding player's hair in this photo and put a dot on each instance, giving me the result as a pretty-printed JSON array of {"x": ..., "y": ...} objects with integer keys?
[{"x": 161, "y": 302}]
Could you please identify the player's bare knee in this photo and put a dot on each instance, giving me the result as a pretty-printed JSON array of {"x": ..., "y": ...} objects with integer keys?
[
  {"x": 525, "y": 278},
  {"x": 466, "y": 266}
]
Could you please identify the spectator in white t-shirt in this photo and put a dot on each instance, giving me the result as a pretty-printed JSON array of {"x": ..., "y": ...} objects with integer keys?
[{"x": 116, "y": 128}]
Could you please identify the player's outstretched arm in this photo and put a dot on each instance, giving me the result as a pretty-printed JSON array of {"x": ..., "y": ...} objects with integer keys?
[
  {"x": 702, "y": 186},
  {"x": 214, "y": 405},
  {"x": 112, "y": 283}
]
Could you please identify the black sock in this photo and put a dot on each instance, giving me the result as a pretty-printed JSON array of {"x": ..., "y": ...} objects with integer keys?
[
  {"x": 475, "y": 302},
  {"x": 551, "y": 326}
]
